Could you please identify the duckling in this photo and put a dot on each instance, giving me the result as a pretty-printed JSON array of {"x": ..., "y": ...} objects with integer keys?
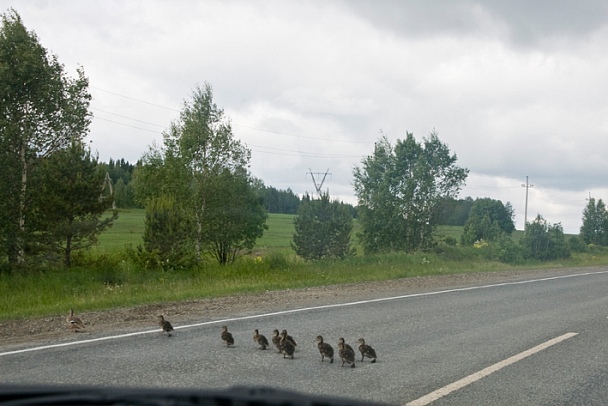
[
  {"x": 276, "y": 339},
  {"x": 348, "y": 347},
  {"x": 260, "y": 339},
  {"x": 346, "y": 355},
  {"x": 290, "y": 338},
  {"x": 366, "y": 350},
  {"x": 227, "y": 337},
  {"x": 74, "y": 322},
  {"x": 325, "y": 349},
  {"x": 287, "y": 346},
  {"x": 165, "y": 325}
]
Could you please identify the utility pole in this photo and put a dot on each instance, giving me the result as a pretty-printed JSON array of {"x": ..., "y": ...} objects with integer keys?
[
  {"x": 107, "y": 181},
  {"x": 320, "y": 185},
  {"x": 527, "y": 186}
]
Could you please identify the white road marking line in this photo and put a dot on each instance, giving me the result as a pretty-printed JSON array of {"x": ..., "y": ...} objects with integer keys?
[
  {"x": 439, "y": 393},
  {"x": 256, "y": 316}
]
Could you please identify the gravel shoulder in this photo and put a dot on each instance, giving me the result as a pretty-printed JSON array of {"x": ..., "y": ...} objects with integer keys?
[{"x": 19, "y": 333}]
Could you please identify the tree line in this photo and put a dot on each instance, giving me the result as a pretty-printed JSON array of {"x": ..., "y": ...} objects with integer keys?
[
  {"x": 121, "y": 173},
  {"x": 201, "y": 200}
]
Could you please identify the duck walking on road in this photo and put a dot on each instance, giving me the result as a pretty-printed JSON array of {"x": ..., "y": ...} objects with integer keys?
[
  {"x": 366, "y": 350},
  {"x": 276, "y": 339},
  {"x": 348, "y": 347},
  {"x": 288, "y": 337},
  {"x": 287, "y": 346},
  {"x": 260, "y": 339},
  {"x": 165, "y": 326},
  {"x": 227, "y": 337},
  {"x": 346, "y": 355},
  {"x": 325, "y": 349}
]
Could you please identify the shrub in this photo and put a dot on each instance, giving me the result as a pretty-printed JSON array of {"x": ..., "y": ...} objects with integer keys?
[
  {"x": 577, "y": 244},
  {"x": 277, "y": 260},
  {"x": 507, "y": 250}
]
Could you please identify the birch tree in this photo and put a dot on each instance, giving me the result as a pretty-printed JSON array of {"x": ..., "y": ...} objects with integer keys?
[
  {"x": 42, "y": 110},
  {"x": 399, "y": 187},
  {"x": 198, "y": 150}
]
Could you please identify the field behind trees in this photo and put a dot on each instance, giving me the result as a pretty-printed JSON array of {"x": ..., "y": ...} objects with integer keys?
[
  {"x": 106, "y": 279},
  {"x": 129, "y": 227}
]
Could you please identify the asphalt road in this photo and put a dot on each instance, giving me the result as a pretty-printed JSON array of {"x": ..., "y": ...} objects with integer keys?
[{"x": 425, "y": 343}]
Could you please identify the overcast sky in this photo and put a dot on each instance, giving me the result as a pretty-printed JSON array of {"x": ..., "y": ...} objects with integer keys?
[{"x": 514, "y": 88}]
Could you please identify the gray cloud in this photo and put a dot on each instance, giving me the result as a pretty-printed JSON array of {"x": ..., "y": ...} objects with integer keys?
[
  {"x": 523, "y": 22},
  {"x": 514, "y": 88}
]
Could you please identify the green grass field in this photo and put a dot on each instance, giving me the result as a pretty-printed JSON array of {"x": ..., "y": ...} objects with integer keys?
[
  {"x": 129, "y": 228},
  {"x": 107, "y": 279}
]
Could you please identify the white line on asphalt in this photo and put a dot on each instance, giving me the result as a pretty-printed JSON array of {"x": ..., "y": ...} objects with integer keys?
[
  {"x": 257, "y": 316},
  {"x": 439, "y": 393}
]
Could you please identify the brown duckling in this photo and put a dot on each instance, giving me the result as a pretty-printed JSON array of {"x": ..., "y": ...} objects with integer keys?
[
  {"x": 227, "y": 337},
  {"x": 74, "y": 322},
  {"x": 287, "y": 346},
  {"x": 276, "y": 339},
  {"x": 260, "y": 339},
  {"x": 165, "y": 325},
  {"x": 346, "y": 355},
  {"x": 348, "y": 347},
  {"x": 366, "y": 350},
  {"x": 325, "y": 349},
  {"x": 288, "y": 337}
]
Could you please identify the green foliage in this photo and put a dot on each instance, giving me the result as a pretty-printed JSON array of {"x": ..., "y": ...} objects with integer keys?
[
  {"x": 279, "y": 201},
  {"x": 543, "y": 241},
  {"x": 322, "y": 229},
  {"x": 399, "y": 189},
  {"x": 105, "y": 278},
  {"x": 43, "y": 111},
  {"x": 167, "y": 236},
  {"x": 71, "y": 207},
  {"x": 577, "y": 244},
  {"x": 202, "y": 166},
  {"x": 277, "y": 261},
  {"x": 234, "y": 216},
  {"x": 507, "y": 250},
  {"x": 595, "y": 223},
  {"x": 489, "y": 220},
  {"x": 452, "y": 212}
]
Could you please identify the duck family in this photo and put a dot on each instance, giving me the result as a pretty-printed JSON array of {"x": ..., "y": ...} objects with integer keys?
[{"x": 283, "y": 341}]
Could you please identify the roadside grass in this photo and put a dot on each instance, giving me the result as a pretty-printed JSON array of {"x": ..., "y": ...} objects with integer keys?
[{"x": 103, "y": 279}]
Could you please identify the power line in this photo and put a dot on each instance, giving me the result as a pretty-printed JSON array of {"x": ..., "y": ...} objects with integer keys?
[
  {"x": 128, "y": 118},
  {"x": 302, "y": 136},
  {"x": 134, "y": 99},
  {"x": 128, "y": 125},
  {"x": 235, "y": 124},
  {"x": 309, "y": 153},
  {"x": 283, "y": 153}
]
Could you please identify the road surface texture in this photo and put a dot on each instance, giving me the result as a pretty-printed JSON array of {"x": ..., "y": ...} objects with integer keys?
[{"x": 505, "y": 338}]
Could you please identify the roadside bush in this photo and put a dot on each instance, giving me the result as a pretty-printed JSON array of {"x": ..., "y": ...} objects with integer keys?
[
  {"x": 577, "y": 244},
  {"x": 454, "y": 253},
  {"x": 277, "y": 260},
  {"x": 544, "y": 241},
  {"x": 507, "y": 250}
]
